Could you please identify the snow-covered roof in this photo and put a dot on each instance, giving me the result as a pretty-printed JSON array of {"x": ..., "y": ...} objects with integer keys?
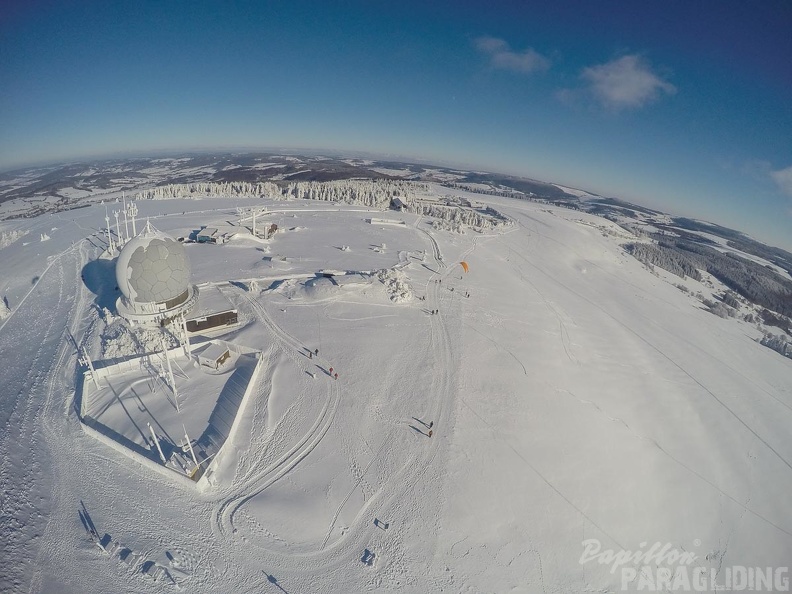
[
  {"x": 211, "y": 300},
  {"x": 214, "y": 351}
]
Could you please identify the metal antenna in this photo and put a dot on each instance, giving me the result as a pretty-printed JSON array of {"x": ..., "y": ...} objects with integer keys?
[
  {"x": 118, "y": 228},
  {"x": 156, "y": 441},
  {"x": 126, "y": 215},
  {"x": 110, "y": 247},
  {"x": 189, "y": 444},
  {"x": 170, "y": 375},
  {"x": 133, "y": 210},
  {"x": 186, "y": 344},
  {"x": 85, "y": 359}
]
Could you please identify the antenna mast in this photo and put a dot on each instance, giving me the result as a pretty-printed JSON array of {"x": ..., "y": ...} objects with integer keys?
[
  {"x": 110, "y": 246},
  {"x": 189, "y": 444},
  {"x": 86, "y": 360},
  {"x": 133, "y": 210},
  {"x": 186, "y": 342},
  {"x": 126, "y": 215},
  {"x": 170, "y": 375},
  {"x": 156, "y": 441},
  {"x": 118, "y": 228}
]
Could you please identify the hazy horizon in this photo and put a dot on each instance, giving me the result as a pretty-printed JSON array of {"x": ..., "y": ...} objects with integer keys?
[{"x": 684, "y": 108}]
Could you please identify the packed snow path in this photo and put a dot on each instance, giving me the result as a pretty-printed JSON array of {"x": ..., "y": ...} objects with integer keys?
[
  {"x": 38, "y": 360},
  {"x": 573, "y": 395}
]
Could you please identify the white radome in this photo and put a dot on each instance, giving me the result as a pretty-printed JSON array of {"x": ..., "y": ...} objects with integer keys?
[{"x": 152, "y": 268}]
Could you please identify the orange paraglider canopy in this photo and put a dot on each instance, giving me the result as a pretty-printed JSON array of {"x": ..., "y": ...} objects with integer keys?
[{"x": 464, "y": 265}]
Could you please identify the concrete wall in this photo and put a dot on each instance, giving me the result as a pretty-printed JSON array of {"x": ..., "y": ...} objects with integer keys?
[
  {"x": 205, "y": 481},
  {"x": 137, "y": 363},
  {"x": 175, "y": 476}
]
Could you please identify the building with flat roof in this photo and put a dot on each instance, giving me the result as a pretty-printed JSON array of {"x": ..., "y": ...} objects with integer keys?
[{"x": 212, "y": 312}]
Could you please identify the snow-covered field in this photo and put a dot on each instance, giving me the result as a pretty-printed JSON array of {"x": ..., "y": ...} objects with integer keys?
[
  {"x": 575, "y": 192},
  {"x": 572, "y": 394}
]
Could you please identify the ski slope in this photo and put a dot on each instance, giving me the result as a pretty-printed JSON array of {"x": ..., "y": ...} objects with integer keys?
[{"x": 573, "y": 396}]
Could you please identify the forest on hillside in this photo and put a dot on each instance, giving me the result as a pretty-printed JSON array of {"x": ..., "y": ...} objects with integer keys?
[{"x": 755, "y": 282}]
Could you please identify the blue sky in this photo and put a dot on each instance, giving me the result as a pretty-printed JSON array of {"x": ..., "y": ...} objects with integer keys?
[{"x": 685, "y": 106}]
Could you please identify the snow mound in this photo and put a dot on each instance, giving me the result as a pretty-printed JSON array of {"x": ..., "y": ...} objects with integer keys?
[
  {"x": 319, "y": 288},
  {"x": 119, "y": 340}
]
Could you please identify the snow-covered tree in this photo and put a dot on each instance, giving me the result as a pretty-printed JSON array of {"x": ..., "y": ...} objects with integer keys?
[
  {"x": 396, "y": 285},
  {"x": 9, "y": 237},
  {"x": 212, "y": 189},
  {"x": 5, "y": 311},
  {"x": 778, "y": 343}
]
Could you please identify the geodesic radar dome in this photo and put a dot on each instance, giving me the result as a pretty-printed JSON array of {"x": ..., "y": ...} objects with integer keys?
[{"x": 152, "y": 268}]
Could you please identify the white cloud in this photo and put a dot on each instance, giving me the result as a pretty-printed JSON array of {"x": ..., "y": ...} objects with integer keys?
[
  {"x": 567, "y": 96},
  {"x": 501, "y": 56},
  {"x": 783, "y": 178},
  {"x": 627, "y": 82}
]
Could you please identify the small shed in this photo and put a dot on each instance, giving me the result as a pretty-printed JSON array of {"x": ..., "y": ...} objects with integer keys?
[
  {"x": 399, "y": 202},
  {"x": 214, "y": 355}
]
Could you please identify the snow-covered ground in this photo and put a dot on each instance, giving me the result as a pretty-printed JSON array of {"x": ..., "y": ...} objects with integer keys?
[
  {"x": 575, "y": 192},
  {"x": 572, "y": 394},
  {"x": 394, "y": 172}
]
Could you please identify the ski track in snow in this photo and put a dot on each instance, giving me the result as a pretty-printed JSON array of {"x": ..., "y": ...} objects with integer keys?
[
  {"x": 49, "y": 468},
  {"x": 670, "y": 360},
  {"x": 412, "y": 469},
  {"x": 262, "y": 479},
  {"x": 676, "y": 364},
  {"x": 31, "y": 405}
]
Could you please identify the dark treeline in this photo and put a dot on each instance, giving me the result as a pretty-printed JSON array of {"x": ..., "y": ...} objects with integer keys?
[
  {"x": 777, "y": 256},
  {"x": 667, "y": 259},
  {"x": 755, "y": 282},
  {"x": 740, "y": 241}
]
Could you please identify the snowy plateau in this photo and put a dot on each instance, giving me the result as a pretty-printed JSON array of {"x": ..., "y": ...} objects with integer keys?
[{"x": 484, "y": 424}]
